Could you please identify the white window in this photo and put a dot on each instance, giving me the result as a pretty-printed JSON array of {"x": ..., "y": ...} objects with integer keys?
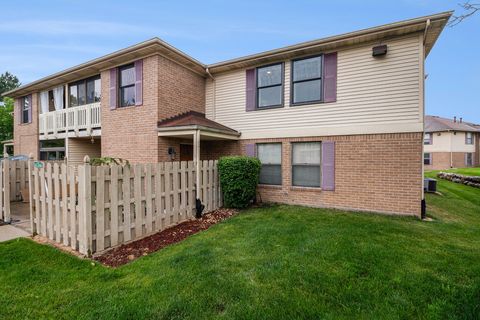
[
  {"x": 469, "y": 159},
  {"x": 427, "y": 158},
  {"x": 468, "y": 138},
  {"x": 427, "y": 138},
  {"x": 270, "y": 155},
  {"x": 306, "y": 164}
]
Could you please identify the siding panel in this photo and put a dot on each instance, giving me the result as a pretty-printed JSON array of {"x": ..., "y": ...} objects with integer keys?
[{"x": 370, "y": 92}]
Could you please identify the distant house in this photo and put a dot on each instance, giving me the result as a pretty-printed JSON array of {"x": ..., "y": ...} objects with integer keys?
[{"x": 450, "y": 143}]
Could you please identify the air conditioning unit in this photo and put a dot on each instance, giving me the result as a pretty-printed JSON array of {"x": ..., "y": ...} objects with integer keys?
[{"x": 430, "y": 185}]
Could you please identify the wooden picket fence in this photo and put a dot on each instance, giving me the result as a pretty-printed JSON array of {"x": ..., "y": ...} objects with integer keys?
[
  {"x": 93, "y": 208},
  {"x": 13, "y": 181}
]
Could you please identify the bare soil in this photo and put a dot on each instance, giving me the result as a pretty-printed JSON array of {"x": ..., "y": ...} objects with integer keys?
[{"x": 133, "y": 250}]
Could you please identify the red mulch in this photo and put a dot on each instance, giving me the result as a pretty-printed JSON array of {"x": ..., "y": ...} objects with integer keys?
[{"x": 133, "y": 250}]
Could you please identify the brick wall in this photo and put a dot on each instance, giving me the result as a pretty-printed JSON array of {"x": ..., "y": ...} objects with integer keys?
[
  {"x": 25, "y": 135},
  {"x": 380, "y": 172},
  {"x": 131, "y": 132},
  {"x": 447, "y": 160}
]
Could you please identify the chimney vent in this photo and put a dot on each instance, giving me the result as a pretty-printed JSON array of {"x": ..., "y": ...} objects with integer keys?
[
  {"x": 461, "y": 119},
  {"x": 455, "y": 119}
]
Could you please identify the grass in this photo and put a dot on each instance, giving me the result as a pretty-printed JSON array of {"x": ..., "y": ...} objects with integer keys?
[{"x": 280, "y": 262}]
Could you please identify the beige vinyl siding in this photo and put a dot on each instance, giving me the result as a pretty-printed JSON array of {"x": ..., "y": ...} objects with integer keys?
[
  {"x": 449, "y": 142},
  {"x": 374, "y": 95},
  {"x": 79, "y": 148}
]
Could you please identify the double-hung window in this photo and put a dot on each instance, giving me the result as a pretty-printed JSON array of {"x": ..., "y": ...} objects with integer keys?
[
  {"x": 127, "y": 85},
  {"x": 270, "y": 155},
  {"x": 26, "y": 105},
  {"x": 427, "y": 138},
  {"x": 306, "y": 161},
  {"x": 427, "y": 158},
  {"x": 307, "y": 80},
  {"x": 468, "y": 138},
  {"x": 270, "y": 86},
  {"x": 85, "y": 91}
]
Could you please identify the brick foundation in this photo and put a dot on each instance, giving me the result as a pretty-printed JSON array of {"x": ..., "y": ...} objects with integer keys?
[{"x": 380, "y": 172}]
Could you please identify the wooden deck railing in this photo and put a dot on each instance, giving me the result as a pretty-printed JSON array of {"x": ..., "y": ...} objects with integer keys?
[{"x": 71, "y": 119}]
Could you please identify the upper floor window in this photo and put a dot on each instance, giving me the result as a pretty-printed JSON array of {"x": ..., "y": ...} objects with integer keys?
[
  {"x": 427, "y": 138},
  {"x": 468, "y": 138},
  {"x": 270, "y": 155},
  {"x": 307, "y": 80},
  {"x": 26, "y": 105},
  {"x": 270, "y": 86},
  {"x": 306, "y": 161},
  {"x": 127, "y": 85},
  {"x": 85, "y": 91}
]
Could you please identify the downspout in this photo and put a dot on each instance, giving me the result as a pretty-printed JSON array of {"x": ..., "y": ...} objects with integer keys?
[
  {"x": 423, "y": 213},
  {"x": 214, "y": 107}
]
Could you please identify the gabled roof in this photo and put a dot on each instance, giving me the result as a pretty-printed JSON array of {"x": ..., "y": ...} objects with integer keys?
[
  {"x": 194, "y": 119},
  {"x": 439, "y": 124}
]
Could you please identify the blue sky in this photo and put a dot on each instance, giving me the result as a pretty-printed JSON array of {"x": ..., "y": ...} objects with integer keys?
[{"x": 42, "y": 37}]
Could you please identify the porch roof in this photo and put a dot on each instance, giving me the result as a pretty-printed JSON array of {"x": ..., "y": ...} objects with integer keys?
[{"x": 184, "y": 124}]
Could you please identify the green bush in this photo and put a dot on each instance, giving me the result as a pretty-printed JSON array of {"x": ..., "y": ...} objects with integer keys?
[{"x": 239, "y": 179}]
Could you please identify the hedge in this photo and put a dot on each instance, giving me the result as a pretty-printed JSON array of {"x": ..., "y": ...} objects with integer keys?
[{"x": 239, "y": 179}]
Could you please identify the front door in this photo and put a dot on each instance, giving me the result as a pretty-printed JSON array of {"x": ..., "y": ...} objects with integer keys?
[{"x": 186, "y": 152}]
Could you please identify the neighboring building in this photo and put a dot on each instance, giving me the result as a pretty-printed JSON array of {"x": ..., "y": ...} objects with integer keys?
[
  {"x": 450, "y": 143},
  {"x": 337, "y": 122}
]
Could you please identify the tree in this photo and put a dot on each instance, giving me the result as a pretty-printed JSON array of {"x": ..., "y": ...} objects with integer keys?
[
  {"x": 6, "y": 122},
  {"x": 469, "y": 9},
  {"x": 8, "y": 82}
]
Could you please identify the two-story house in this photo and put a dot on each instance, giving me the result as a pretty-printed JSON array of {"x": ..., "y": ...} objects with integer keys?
[
  {"x": 336, "y": 122},
  {"x": 450, "y": 143}
]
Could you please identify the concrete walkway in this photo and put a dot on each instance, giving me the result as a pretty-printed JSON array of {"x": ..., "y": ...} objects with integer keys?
[
  {"x": 9, "y": 232},
  {"x": 20, "y": 224}
]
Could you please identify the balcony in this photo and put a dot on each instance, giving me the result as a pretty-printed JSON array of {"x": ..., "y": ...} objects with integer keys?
[{"x": 71, "y": 122}]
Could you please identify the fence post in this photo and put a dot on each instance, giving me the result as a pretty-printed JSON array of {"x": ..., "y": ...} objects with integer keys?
[
  {"x": 30, "y": 193},
  {"x": 6, "y": 190},
  {"x": 85, "y": 204}
]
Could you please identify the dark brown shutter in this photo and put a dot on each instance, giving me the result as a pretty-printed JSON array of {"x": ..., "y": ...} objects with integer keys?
[
  {"x": 251, "y": 90},
  {"x": 330, "y": 77}
]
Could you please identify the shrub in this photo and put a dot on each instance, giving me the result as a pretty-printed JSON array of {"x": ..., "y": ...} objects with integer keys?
[
  {"x": 239, "y": 179},
  {"x": 108, "y": 161}
]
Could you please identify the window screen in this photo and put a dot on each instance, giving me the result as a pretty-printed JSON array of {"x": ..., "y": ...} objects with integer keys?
[
  {"x": 306, "y": 160},
  {"x": 270, "y": 155}
]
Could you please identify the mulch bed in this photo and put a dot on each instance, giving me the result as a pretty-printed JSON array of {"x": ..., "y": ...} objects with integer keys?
[
  {"x": 2, "y": 223},
  {"x": 133, "y": 250}
]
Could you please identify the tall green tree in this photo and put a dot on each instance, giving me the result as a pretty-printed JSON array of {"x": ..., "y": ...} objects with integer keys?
[{"x": 8, "y": 82}]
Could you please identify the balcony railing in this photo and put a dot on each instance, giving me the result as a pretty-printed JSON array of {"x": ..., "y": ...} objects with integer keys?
[{"x": 75, "y": 119}]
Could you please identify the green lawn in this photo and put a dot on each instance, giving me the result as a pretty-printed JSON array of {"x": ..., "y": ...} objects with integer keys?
[
  {"x": 464, "y": 171},
  {"x": 278, "y": 263}
]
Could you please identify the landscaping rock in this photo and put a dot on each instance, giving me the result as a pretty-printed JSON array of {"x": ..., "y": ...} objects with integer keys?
[{"x": 472, "y": 181}]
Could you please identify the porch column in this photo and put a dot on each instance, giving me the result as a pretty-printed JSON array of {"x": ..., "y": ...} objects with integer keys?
[{"x": 196, "y": 159}]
